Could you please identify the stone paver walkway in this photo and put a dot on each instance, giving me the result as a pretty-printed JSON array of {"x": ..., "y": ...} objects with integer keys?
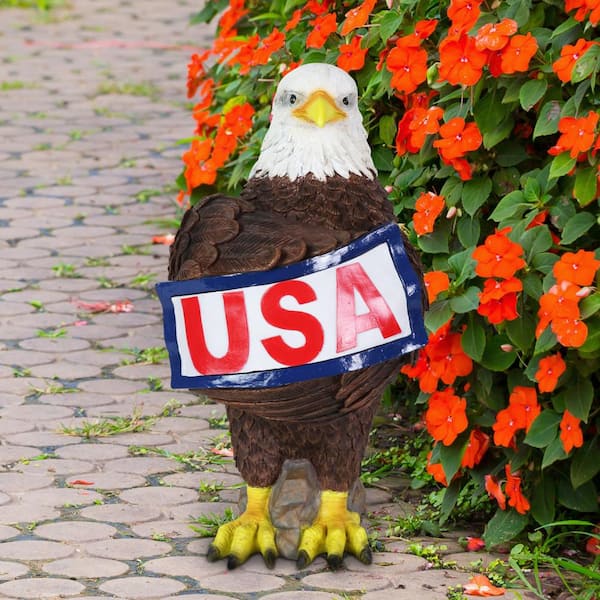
[{"x": 91, "y": 106}]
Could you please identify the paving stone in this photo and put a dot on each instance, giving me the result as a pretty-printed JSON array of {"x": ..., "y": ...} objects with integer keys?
[
  {"x": 7, "y": 532},
  {"x": 106, "y": 481},
  {"x": 143, "y": 465},
  {"x": 65, "y": 370},
  {"x": 75, "y": 531},
  {"x": 121, "y": 513},
  {"x": 10, "y": 454},
  {"x": 195, "y": 567},
  {"x": 18, "y": 482},
  {"x": 164, "y": 528},
  {"x": 59, "y": 497},
  {"x": 141, "y": 587},
  {"x": 158, "y": 496},
  {"x": 38, "y": 587},
  {"x": 35, "y": 550},
  {"x": 145, "y": 438},
  {"x": 23, "y": 512},
  {"x": 348, "y": 583},
  {"x": 432, "y": 584},
  {"x": 55, "y": 466},
  {"x": 4, "y": 498},
  {"x": 193, "y": 480},
  {"x": 95, "y": 452},
  {"x": 181, "y": 425},
  {"x": 112, "y": 386},
  {"x": 305, "y": 595},
  {"x": 244, "y": 582},
  {"x": 127, "y": 548},
  {"x": 12, "y": 570},
  {"x": 78, "y": 399},
  {"x": 77, "y": 568},
  {"x": 196, "y": 509},
  {"x": 57, "y": 345}
]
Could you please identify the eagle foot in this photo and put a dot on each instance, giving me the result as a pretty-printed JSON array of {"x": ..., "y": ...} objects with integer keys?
[
  {"x": 251, "y": 532},
  {"x": 335, "y": 530}
]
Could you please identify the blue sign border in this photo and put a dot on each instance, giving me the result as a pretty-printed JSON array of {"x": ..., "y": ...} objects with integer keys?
[{"x": 388, "y": 234}]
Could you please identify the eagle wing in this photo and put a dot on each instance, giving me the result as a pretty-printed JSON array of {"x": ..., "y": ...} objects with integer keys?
[{"x": 224, "y": 235}]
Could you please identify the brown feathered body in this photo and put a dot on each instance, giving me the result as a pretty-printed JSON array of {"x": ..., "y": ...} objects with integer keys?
[{"x": 277, "y": 222}]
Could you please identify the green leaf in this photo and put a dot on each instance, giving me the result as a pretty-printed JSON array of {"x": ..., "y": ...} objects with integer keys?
[
  {"x": 544, "y": 262},
  {"x": 543, "y": 430},
  {"x": 494, "y": 358},
  {"x": 451, "y": 456},
  {"x": 584, "y": 463},
  {"x": 512, "y": 205},
  {"x": 543, "y": 500},
  {"x": 387, "y": 129},
  {"x": 554, "y": 451},
  {"x": 452, "y": 190},
  {"x": 468, "y": 231},
  {"x": 585, "y": 185},
  {"x": 467, "y": 301},
  {"x": 547, "y": 122},
  {"x": 576, "y": 226},
  {"x": 473, "y": 339},
  {"x": 438, "y": 314},
  {"x": 383, "y": 158},
  {"x": 436, "y": 242},
  {"x": 545, "y": 342},
  {"x": 583, "y": 499},
  {"x": 531, "y": 92},
  {"x": 579, "y": 400},
  {"x": 521, "y": 332},
  {"x": 591, "y": 345},
  {"x": 561, "y": 165},
  {"x": 586, "y": 65},
  {"x": 449, "y": 501},
  {"x": 536, "y": 240},
  {"x": 504, "y": 526},
  {"x": 463, "y": 265},
  {"x": 475, "y": 193},
  {"x": 389, "y": 24},
  {"x": 590, "y": 305}
]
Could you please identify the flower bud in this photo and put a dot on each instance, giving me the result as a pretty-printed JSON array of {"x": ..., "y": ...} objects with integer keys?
[
  {"x": 451, "y": 212},
  {"x": 584, "y": 292},
  {"x": 507, "y": 347},
  {"x": 388, "y": 189}
]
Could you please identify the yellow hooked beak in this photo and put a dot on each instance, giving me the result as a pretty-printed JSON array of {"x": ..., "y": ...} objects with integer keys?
[{"x": 320, "y": 109}]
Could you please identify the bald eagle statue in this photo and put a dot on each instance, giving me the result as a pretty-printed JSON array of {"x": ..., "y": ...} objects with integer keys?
[{"x": 313, "y": 189}]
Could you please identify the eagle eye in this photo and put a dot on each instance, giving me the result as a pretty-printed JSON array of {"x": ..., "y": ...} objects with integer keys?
[
  {"x": 292, "y": 99},
  {"x": 346, "y": 100}
]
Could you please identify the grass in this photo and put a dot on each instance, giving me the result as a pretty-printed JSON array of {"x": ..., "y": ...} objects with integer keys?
[
  {"x": 65, "y": 270},
  {"x": 143, "y": 88},
  {"x": 148, "y": 356},
  {"x": 196, "y": 460},
  {"x": 52, "y": 333},
  {"x": 208, "y": 524},
  {"x": 41, "y": 5},
  {"x": 134, "y": 423}
]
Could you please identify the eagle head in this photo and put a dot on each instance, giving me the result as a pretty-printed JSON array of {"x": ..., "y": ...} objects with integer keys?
[{"x": 316, "y": 127}]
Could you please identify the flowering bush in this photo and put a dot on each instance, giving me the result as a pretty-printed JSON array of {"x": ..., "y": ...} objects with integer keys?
[{"x": 483, "y": 120}]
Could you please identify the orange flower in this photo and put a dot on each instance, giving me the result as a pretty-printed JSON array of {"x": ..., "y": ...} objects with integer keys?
[
  {"x": 436, "y": 471},
  {"x": 245, "y": 54},
  {"x": 457, "y": 138},
  {"x": 461, "y": 166},
  {"x": 230, "y": 17},
  {"x": 428, "y": 207},
  {"x": 447, "y": 359},
  {"x": 518, "y": 53},
  {"x": 317, "y": 7},
  {"x": 358, "y": 16},
  {"x": 570, "y": 332},
  {"x": 446, "y": 416},
  {"x": 425, "y": 122},
  {"x": 436, "y": 282},
  {"x": 407, "y": 62},
  {"x": 238, "y": 119},
  {"x": 570, "y": 432},
  {"x": 352, "y": 56},
  {"x": 508, "y": 422},
  {"x": 579, "y": 268},
  {"x": 476, "y": 449},
  {"x": 273, "y": 42},
  {"x": 423, "y": 29},
  {"x": 464, "y": 13},
  {"x": 560, "y": 301},
  {"x": 323, "y": 27},
  {"x": 196, "y": 72},
  {"x": 480, "y": 585},
  {"x": 513, "y": 491},
  {"x": 198, "y": 169},
  {"x": 461, "y": 63},
  {"x": 569, "y": 55},
  {"x": 294, "y": 20},
  {"x": 524, "y": 399},
  {"x": 494, "y": 36},
  {"x": 549, "y": 370},
  {"x": 492, "y": 487},
  {"x": 578, "y": 134},
  {"x": 498, "y": 300},
  {"x": 499, "y": 256}
]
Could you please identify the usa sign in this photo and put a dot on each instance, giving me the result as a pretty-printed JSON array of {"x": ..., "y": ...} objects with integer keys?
[{"x": 341, "y": 311}]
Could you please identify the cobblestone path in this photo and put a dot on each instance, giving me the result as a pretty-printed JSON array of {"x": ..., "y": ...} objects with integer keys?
[{"x": 91, "y": 106}]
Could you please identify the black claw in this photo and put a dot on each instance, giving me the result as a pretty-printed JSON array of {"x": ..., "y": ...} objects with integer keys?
[
  {"x": 270, "y": 556},
  {"x": 366, "y": 556},
  {"x": 213, "y": 553},
  {"x": 334, "y": 561},
  {"x": 233, "y": 562},
  {"x": 303, "y": 559}
]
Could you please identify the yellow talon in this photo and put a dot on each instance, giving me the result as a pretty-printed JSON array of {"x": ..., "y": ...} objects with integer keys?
[
  {"x": 251, "y": 532},
  {"x": 335, "y": 530}
]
